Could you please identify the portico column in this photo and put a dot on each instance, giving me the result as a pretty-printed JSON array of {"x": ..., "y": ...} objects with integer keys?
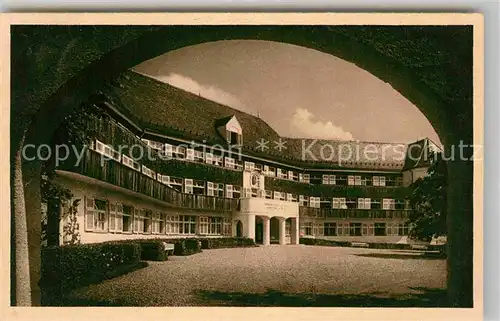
[
  {"x": 249, "y": 229},
  {"x": 266, "y": 230},
  {"x": 282, "y": 230},
  {"x": 294, "y": 231}
]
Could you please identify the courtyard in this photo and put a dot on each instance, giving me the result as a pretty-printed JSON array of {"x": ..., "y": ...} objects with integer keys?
[{"x": 291, "y": 275}]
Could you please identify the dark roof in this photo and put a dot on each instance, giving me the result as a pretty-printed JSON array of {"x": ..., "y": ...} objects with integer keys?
[
  {"x": 418, "y": 154},
  {"x": 222, "y": 121},
  {"x": 164, "y": 109}
]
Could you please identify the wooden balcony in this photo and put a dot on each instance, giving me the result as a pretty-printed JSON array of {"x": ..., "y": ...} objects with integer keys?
[
  {"x": 118, "y": 174},
  {"x": 305, "y": 211}
]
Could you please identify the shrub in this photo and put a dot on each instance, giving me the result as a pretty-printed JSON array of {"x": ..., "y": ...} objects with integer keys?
[
  {"x": 68, "y": 267},
  {"x": 322, "y": 242},
  {"x": 153, "y": 251},
  {"x": 226, "y": 242}
]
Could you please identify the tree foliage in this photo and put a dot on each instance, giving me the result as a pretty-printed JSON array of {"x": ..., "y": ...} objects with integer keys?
[{"x": 428, "y": 200}]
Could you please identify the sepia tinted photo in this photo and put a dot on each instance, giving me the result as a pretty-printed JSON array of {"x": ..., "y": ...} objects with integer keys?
[{"x": 245, "y": 165}]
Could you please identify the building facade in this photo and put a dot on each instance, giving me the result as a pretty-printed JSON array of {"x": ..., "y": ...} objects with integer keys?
[{"x": 167, "y": 163}]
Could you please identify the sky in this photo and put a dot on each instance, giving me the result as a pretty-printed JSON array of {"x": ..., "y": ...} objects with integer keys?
[{"x": 300, "y": 92}]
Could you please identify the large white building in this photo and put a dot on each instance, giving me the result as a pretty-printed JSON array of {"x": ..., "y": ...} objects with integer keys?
[{"x": 239, "y": 178}]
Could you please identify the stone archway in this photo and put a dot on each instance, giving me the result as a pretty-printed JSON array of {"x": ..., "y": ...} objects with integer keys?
[{"x": 55, "y": 68}]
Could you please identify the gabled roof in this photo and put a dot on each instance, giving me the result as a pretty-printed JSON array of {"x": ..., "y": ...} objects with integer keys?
[
  {"x": 164, "y": 109},
  {"x": 223, "y": 121}
]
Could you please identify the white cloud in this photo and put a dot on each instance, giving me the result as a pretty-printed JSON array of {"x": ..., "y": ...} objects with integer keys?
[
  {"x": 303, "y": 124},
  {"x": 208, "y": 92}
]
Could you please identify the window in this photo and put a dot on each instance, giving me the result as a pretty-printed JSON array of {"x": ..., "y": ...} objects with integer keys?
[
  {"x": 357, "y": 180},
  {"x": 115, "y": 217},
  {"x": 403, "y": 229},
  {"x": 276, "y": 195},
  {"x": 199, "y": 187},
  {"x": 210, "y": 189},
  {"x": 330, "y": 229},
  {"x": 176, "y": 183},
  {"x": 376, "y": 204},
  {"x": 236, "y": 191},
  {"x": 350, "y": 180},
  {"x": 168, "y": 150},
  {"x": 179, "y": 152},
  {"x": 281, "y": 173},
  {"x": 303, "y": 201},
  {"x": 272, "y": 172},
  {"x": 294, "y": 198},
  {"x": 190, "y": 154},
  {"x": 234, "y": 138},
  {"x": 249, "y": 166},
  {"x": 364, "y": 203},
  {"x": 209, "y": 158},
  {"x": 378, "y": 180},
  {"x": 380, "y": 229},
  {"x": 217, "y": 160},
  {"x": 355, "y": 229},
  {"x": 328, "y": 179},
  {"x": 219, "y": 190},
  {"x": 318, "y": 229},
  {"x": 106, "y": 150},
  {"x": 95, "y": 216},
  {"x": 268, "y": 194},
  {"x": 367, "y": 229},
  {"x": 226, "y": 226},
  {"x": 203, "y": 227},
  {"x": 339, "y": 203},
  {"x": 127, "y": 161},
  {"x": 125, "y": 224},
  {"x": 399, "y": 204},
  {"x": 314, "y": 202},
  {"x": 343, "y": 229},
  {"x": 159, "y": 223},
  {"x": 304, "y": 178},
  {"x": 391, "y": 229},
  {"x": 229, "y": 162},
  {"x": 148, "y": 172},
  {"x": 229, "y": 191},
  {"x": 388, "y": 204},
  {"x": 187, "y": 224},
  {"x": 307, "y": 228},
  {"x": 351, "y": 203},
  {"x": 198, "y": 156},
  {"x": 188, "y": 186},
  {"x": 172, "y": 224}
]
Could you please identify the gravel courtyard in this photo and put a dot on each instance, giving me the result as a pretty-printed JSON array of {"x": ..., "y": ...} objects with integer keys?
[{"x": 291, "y": 275}]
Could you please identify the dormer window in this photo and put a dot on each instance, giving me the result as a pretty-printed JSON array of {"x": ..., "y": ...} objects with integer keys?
[{"x": 230, "y": 129}]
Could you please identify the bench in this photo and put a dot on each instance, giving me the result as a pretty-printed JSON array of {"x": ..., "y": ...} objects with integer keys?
[
  {"x": 360, "y": 244},
  {"x": 169, "y": 248}
]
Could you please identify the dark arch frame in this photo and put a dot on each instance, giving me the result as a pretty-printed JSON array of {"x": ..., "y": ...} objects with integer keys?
[{"x": 46, "y": 110}]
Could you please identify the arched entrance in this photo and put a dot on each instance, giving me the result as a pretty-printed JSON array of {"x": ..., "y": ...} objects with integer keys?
[
  {"x": 51, "y": 93},
  {"x": 239, "y": 229}
]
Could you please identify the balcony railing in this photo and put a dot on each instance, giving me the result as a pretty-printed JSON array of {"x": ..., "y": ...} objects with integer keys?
[
  {"x": 305, "y": 211},
  {"x": 115, "y": 173}
]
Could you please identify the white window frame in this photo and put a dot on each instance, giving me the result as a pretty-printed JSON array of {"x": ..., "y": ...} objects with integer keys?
[
  {"x": 188, "y": 185},
  {"x": 249, "y": 166},
  {"x": 229, "y": 191},
  {"x": 350, "y": 180},
  {"x": 209, "y": 158},
  {"x": 210, "y": 189},
  {"x": 229, "y": 162},
  {"x": 190, "y": 154},
  {"x": 94, "y": 215}
]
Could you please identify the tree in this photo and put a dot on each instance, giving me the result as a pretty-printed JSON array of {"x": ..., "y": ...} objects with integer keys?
[{"x": 428, "y": 199}]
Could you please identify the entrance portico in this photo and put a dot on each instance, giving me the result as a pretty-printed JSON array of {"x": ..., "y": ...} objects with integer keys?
[{"x": 266, "y": 219}]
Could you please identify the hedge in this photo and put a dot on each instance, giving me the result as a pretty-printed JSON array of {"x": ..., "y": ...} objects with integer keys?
[
  {"x": 226, "y": 242},
  {"x": 322, "y": 242},
  {"x": 68, "y": 267}
]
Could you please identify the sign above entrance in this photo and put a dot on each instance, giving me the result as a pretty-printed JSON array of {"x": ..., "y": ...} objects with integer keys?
[{"x": 269, "y": 207}]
